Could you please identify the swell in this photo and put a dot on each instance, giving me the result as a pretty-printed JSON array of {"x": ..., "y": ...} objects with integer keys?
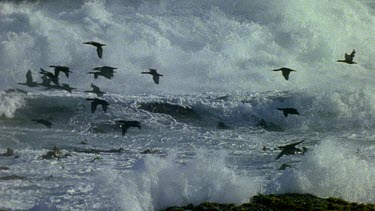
[{"x": 319, "y": 112}]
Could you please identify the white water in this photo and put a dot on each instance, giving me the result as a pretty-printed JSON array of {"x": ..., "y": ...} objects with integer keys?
[{"x": 204, "y": 50}]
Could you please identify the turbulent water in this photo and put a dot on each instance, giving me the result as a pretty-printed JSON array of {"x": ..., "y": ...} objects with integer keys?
[{"x": 216, "y": 59}]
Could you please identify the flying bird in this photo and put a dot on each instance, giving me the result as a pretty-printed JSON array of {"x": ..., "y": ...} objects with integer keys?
[
  {"x": 107, "y": 75},
  {"x": 125, "y": 125},
  {"x": 155, "y": 75},
  {"x": 106, "y": 69},
  {"x": 51, "y": 76},
  {"x": 59, "y": 69},
  {"x": 98, "y": 46},
  {"x": 291, "y": 149},
  {"x": 43, "y": 122},
  {"x": 29, "y": 80},
  {"x": 287, "y": 111},
  {"x": 348, "y": 58},
  {"x": 96, "y": 90},
  {"x": 95, "y": 102},
  {"x": 285, "y": 71}
]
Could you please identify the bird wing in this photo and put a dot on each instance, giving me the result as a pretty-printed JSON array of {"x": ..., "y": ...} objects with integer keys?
[
  {"x": 156, "y": 79},
  {"x": 57, "y": 72},
  {"x": 93, "y": 106},
  {"x": 152, "y": 70},
  {"x": 286, "y": 74},
  {"x": 350, "y": 57},
  {"x": 124, "y": 129},
  {"x": 280, "y": 154},
  {"x": 99, "y": 50},
  {"x": 104, "y": 106},
  {"x": 29, "y": 77},
  {"x": 95, "y": 88},
  {"x": 291, "y": 145}
]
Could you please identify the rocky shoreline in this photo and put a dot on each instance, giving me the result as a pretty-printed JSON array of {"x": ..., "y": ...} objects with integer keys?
[{"x": 279, "y": 203}]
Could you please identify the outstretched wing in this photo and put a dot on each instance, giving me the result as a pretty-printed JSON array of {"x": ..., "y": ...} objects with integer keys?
[
  {"x": 280, "y": 155},
  {"x": 29, "y": 77},
  {"x": 291, "y": 145},
  {"x": 104, "y": 106},
  {"x": 156, "y": 79},
  {"x": 350, "y": 57},
  {"x": 99, "y": 50},
  {"x": 124, "y": 129},
  {"x": 286, "y": 74},
  {"x": 95, "y": 88},
  {"x": 93, "y": 107}
]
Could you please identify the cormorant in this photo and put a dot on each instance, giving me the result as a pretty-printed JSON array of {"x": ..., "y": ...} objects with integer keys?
[
  {"x": 95, "y": 102},
  {"x": 155, "y": 75},
  {"x": 348, "y": 58},
  {"x": 59, "y": 69},
  {"x": 291, "y": 149},
  {"x": 287, "y": 111},
  {"x": 98, "y": 46},
  {"x": 50, "y": 75},
  {"x": 29, "y": 80},
  {"x": 105, "y": 75},
  {"x": 125, "y": 125},
  {"x": 43, "y": 122},
  {"x": 96, "y": 90},
  {"x": 285, "y": 71}
]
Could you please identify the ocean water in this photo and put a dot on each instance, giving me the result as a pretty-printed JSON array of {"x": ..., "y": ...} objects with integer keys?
[{"x": 216, "y": 59}]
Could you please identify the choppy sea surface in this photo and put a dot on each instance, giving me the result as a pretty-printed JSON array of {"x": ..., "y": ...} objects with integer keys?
[{"x": 216, "y": 59}]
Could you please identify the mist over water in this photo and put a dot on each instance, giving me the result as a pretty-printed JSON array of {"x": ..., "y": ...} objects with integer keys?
[{"x": 198, "y": 46}]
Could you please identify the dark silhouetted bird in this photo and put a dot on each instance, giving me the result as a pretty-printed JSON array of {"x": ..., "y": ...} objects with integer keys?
[
  {"x": 29, "y": 80},
  {"x": 95, "y": 102},
  {"x": 125, "y": 125},
  {"x": 59, "y": 69},
  {"x": 43, "y": 122},
  {"x": 106, "y": 69},
  {"x": 105, "y": 75},
  {"x": 66, "y": 87},
  {"x": 46, "y": 81},
  {"x": 98, "y": 46},
  {"x": 96, "y": 91},
  {"x": 348, "y": 58},
  {"x": 285, "y": 71},
  {"x": 287, "y": 111},
  {"x": 155, "y": 75},
  {"x": 291, "y": 149},
  {"x": 50, "y": 75}
]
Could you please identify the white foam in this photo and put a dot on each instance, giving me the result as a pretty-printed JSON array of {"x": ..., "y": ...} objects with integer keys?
[
  {"x": 10, "y": 102},
  {"x": 331, "y": 170},
  {"x": 198, "y": 46},
  {"x": 156, "y": 183}
]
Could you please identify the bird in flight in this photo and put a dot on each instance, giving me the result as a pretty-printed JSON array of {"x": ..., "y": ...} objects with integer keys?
[
  {"x": 95, "y": 102},
  {"x": 29, "y": 80},
  {"x": 155, "y": 75},
  {"x": 291, "y": 149},
  {"x": 125, "y": 125},
  {"x": 285, "y": 71},
  {"x": 98, "y": 46},
  {"x": 59, "y": 69},
  {"x": 348, "y": 58},
  {"x": 43, "y": 122},
  {"x": 96, "y": 90},
  {"x": 287, "y": 111}
]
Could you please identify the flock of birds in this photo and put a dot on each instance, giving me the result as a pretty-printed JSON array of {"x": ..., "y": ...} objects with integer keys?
[
  {"x": 50, "y": 80},
  {"x": 108, "y": 72}
]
